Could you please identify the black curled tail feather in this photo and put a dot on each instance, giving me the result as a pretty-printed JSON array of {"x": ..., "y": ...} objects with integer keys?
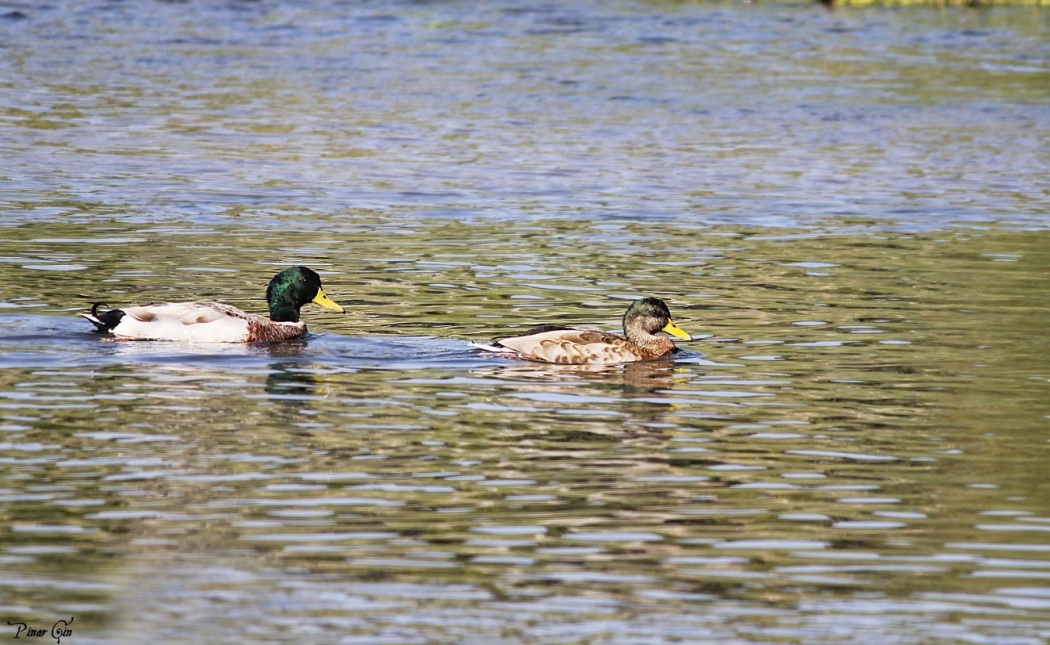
[{"x": 104, "y": 322}]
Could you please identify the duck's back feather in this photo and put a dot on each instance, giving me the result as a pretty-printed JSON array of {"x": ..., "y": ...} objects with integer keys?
[
  {"x": 578, "y": 347},
  {"x": 201, "y": 322}
]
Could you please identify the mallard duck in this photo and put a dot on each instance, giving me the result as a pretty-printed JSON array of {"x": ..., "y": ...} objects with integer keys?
[
  {"x": 213, "y": 322},
  {"x": 553, "y": 344}
]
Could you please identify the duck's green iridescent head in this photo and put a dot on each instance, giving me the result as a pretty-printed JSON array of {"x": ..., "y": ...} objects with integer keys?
[
  {"x": 292, "y": 288},
  {"x": 650, "y": 316}
]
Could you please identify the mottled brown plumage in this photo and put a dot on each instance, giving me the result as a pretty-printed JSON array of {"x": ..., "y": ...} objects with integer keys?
[
  {"x": 266, "y": 330},
  {"x": 562, "y": 345}
]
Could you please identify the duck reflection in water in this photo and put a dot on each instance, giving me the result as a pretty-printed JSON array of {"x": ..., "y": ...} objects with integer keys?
[
  {"x": 290, "y": 379},
  {"x": 589, "y": 401},
  {"x": 644, "y": 376}
]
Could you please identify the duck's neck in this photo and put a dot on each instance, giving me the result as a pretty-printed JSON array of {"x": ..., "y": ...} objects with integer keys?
[
  {"x": 638, "y": 336},
  {"x": 280, "y": 312},
  {"x": 657, "y": 345}
]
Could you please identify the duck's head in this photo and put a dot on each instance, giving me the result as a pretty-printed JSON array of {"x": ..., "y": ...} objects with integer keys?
[
  {"x": 292, "y": 288},
  {"x": 647, "y": 317}
]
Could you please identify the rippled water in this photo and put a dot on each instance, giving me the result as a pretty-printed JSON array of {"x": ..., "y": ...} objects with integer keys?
[{"x": 847, "y": 209}]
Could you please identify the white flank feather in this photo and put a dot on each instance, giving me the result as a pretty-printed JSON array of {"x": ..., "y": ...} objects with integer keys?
[{"x": 186, "y": 321}]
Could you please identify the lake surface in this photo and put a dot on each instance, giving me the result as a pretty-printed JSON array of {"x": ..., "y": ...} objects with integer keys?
[{"x": 848, "y": 210}]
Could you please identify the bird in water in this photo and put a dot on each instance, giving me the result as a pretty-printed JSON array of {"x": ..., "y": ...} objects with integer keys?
[
  {"x": 214, "y": 322},
  {"x": 642, "y": 322}
]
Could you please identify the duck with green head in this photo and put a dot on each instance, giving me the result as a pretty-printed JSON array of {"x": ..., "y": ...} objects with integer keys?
[
  {"x": 644, "y": 319},
  {"x": 214, "y": 322}
]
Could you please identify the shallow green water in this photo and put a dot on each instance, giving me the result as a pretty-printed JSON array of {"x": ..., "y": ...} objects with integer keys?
[{"x": 848, "y": 210}]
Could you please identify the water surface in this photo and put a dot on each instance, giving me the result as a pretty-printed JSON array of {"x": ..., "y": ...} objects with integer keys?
[{"x": 848, "y": 210}]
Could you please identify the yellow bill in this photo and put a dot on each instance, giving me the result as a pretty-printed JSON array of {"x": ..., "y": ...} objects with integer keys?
[
  {"x": 326, "y": 302},
  {"x": 676, "y": 331}
]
